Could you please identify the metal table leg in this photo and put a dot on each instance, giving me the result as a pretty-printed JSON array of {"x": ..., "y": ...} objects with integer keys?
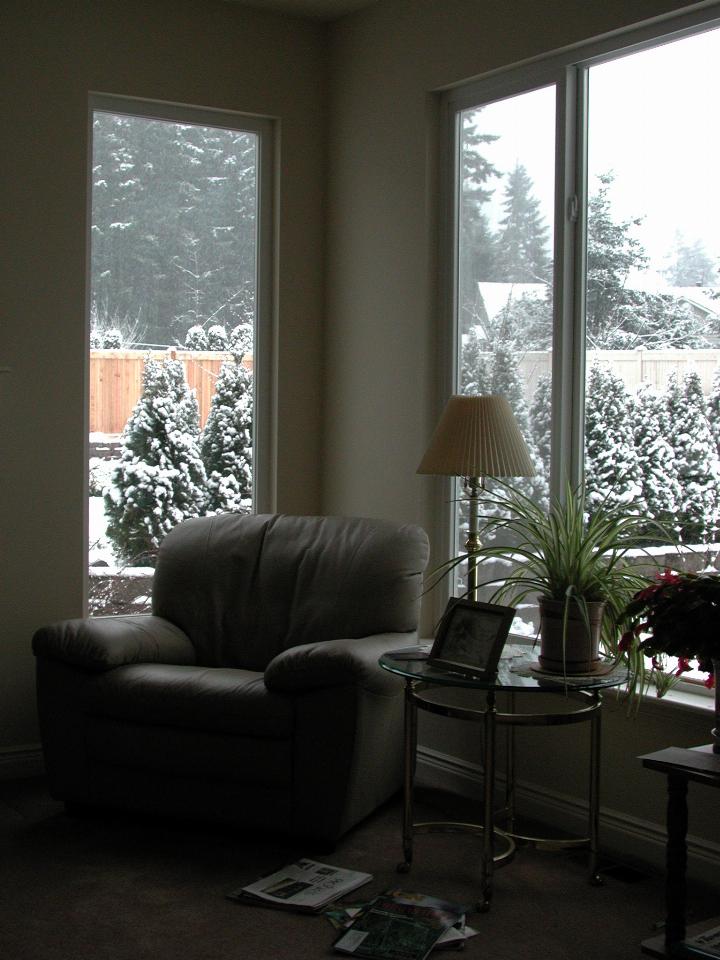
[
  {"x": 594, "y": 804},
  {"x": 486, "y": 861},
  {"x": 409, "y": 776}
]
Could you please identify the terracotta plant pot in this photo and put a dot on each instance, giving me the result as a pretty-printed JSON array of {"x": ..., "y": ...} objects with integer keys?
[{"x": 580, "y": 650}]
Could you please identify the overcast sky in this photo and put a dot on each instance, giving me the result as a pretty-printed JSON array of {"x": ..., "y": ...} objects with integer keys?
[{"x": 653, "y": 121}]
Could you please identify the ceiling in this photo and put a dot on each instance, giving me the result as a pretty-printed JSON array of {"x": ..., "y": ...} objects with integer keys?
[{"x": 311, "y": 9}]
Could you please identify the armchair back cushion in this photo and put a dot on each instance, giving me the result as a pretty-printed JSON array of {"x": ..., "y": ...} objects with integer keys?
[{"x": 246, "y": 588}]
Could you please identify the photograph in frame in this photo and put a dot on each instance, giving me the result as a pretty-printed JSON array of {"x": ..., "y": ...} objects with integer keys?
[{"x": 471, "y": 636}]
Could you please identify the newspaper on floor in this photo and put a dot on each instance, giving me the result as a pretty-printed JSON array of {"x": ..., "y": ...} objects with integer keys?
[
  {"x": 401, "y": 926},
  {"x": 307, "y": 886}
]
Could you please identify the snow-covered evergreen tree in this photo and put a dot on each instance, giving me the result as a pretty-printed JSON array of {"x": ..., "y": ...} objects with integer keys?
[
  {"x": 226, "y": 443},
  {"x": 474, "y": 370},
  {"x": 656, "y": 457},
  {"x": 217, "y": 337},
  {"x": 507, "y": 381},
  {"x": 713, "y": 409},
  {"x": 698, "y": 468},
  {"x": 196, "y": 338},
  {"x": 521, "y": 246},
  {"x": 160, "y": 479},
  {"x": 541, "y": 419},
  {"x": 612, "y": 471}
]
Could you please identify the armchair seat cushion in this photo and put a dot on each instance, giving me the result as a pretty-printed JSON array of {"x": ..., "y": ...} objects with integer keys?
[{"x": 222, "y": 699}]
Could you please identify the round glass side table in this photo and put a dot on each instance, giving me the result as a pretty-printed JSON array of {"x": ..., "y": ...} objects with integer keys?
[{"x": 451, "y": 693}]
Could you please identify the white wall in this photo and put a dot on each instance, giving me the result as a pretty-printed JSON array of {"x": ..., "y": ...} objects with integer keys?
[
  {"x": 383, "y": 391},
  {"x": 198, "y": 52}
]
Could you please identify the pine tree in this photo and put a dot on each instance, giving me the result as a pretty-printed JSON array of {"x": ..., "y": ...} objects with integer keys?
[
  {"x": 713, "y": 409},
  {"x": 174, "y": 212},
  {"x": 474, "y": 370},
  {"x": 656, "y": 457},
  {"x": 477, "y": 242},
  {"x": 698, "y": 468},
  {"x": 612, "y": 472},
  {"x": 541, "y": 419},
  {"x": 618, "y": 316},
  {"x": 691, "y": 266},
  {"x": 226, "y": 444},
  {"x": 507, "y": 381},
  {"x": 521, "y": 246},
  {"x": 160, "y": 479}
]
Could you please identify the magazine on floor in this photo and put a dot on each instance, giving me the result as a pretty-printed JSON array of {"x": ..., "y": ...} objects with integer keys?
[
  {"x": 400, "y": 926},
  {"x": 305, "y": 885},
  {"x": 342, "y": 915},
  {"x": 705, "y": 944}
]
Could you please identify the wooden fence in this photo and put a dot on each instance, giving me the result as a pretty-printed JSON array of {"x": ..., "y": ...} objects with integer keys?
[
  {"x": 116, "y": 382},
  {"x": 632, "y": 366},
  {"x": 116, "y": 375}
]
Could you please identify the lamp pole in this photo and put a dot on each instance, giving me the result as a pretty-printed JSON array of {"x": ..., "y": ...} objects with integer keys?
[{"x": 474, "y": 487}]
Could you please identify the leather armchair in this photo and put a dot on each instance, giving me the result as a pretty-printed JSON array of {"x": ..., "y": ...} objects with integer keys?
[{"x": 251, "y": 694}]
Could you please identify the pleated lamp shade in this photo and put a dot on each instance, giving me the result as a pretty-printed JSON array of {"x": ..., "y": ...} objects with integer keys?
[{"x": 477, "y": 437}]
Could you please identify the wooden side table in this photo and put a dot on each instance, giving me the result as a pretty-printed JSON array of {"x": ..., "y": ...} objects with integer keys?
[{"x": 699, "y": 765}]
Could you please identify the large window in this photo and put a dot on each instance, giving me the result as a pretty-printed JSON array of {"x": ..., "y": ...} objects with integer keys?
[
  {"x": 178, "y": 303},
  {"x": 585, "y": 282}
]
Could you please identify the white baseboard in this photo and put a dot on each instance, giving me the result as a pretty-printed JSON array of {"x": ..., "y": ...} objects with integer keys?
[
  {"x": 17, "y": 763},
  {"x": 627, "y": 837}
]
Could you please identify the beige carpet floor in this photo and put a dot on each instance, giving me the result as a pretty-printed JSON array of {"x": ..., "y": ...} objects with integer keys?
[{"x": 115, "y": 887}]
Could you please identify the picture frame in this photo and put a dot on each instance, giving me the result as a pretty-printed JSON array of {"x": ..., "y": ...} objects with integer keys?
[{"x": 470, "y": 637}]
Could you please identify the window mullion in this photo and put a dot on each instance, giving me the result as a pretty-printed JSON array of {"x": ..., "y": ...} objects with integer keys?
[{"x": 569, "y": 287}]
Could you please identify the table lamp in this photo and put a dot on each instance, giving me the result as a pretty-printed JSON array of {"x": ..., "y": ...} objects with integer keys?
[{"x": 477, "y": 437}]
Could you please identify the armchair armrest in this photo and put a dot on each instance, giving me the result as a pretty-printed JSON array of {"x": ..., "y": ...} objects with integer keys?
[
  {"x": 336, "y": 662},
  {"x": 101, "y": 643}
]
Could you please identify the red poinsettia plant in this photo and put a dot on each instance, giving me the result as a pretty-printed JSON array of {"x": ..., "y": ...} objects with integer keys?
[{"x": 678, "y": 615}]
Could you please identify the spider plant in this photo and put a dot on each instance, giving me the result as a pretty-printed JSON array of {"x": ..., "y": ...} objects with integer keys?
[{"x": 569, "y": 554}]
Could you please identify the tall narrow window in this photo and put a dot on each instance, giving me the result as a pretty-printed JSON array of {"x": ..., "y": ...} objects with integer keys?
[
  {"x": 176, "y": 300},
  {"x": 505, "y": 265}
]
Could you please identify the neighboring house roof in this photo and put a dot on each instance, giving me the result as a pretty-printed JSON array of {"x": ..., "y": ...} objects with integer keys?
[{"x": 496, "y": 296}]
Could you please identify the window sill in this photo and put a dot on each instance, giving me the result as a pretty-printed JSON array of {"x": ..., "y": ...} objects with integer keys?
[{"x": 683, "y": 697}]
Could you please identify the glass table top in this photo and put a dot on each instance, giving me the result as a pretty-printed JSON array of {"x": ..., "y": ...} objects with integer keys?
[{"x": 518, "y": 670}]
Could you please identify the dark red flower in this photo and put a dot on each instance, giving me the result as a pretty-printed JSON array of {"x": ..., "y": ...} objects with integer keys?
[{"x": 683, "y": 666}]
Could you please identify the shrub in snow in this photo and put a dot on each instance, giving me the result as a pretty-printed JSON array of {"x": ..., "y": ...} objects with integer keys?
[
  {"x": 96, "y": 340},
  {"x": 698, "y": 468},
  {"x": 112, "y": 339},
  {"x": 217, "y": 337},
  {"x": 612, "y": 471},
  {"x": 196, "y": 338},
  {"x": 100, "y": 475},
  {"x": 656, "y": 457},
  {"x": 226, "y": 444},
  {"x": 160, "y": 479},
  {"x": 241, "y": 340}
]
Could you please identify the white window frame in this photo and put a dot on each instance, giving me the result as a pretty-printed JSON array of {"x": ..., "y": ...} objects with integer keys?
[
  {"x": 568, "y": 70},
  {"x": 264, "y": 459}
]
